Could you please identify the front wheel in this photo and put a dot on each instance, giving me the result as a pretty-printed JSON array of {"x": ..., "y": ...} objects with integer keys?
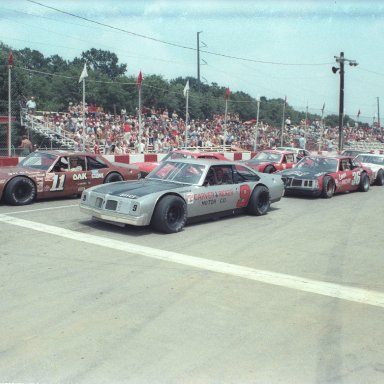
[
  {"x": 170, "y": 214},
  {"x": 20, "y": 191},
  {"x": 328, "y": 187},
  {"x": 364, "y": 182},
  {"x": 259, "y": 202},
  {"x": 113, "y": 177}
]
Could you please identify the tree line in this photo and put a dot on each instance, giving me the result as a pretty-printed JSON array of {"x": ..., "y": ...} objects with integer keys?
[{"x": 54, "y": 83}]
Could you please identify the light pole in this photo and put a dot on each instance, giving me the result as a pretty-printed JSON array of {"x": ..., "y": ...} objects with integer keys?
[
  {"x": 198, "y": 59},
  {"x": 341, "y": 60},
  {"x": 257, "y": 123}
]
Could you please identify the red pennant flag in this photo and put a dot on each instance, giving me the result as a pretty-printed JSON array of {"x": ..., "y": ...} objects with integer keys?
[
  {"x": 10, "y": 57},
  {"x": 227, "y": 94},
  {"x": 139, "y": 80}
]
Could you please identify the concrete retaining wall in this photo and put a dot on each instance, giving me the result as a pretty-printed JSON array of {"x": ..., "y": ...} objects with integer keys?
[{"x": 136, "y": 158}]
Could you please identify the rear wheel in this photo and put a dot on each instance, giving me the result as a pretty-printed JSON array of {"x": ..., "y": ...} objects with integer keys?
[
  {"x": 20, "y": 191},
  {"x": 364, "y": 182},
  {"x": 269, "y": 169},
  {"x": 328, "y": 187},
  {"x": 259, "y": 202},
  {"x": 170, "y": 214},
  {"x": 113, "y": 177}
]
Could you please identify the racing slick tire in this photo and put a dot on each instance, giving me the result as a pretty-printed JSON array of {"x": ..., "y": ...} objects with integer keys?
[
  {"x": 329, "y": 187},
  {"x": 380, "y": 177},
  {"x": 259, "y": 201},
  {"x": 113, "y": 177},
  {"x": 170, "y": 214},
  {"x": 364, "y": 182},
  {"x": 269, "y": 169},
  {"x": 20, "y": 191}
]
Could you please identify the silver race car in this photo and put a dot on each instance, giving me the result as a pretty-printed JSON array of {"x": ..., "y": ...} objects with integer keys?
[{"x": 181, "y": 190}]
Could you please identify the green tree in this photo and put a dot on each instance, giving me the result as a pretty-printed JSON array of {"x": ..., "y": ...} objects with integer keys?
[{"x": 102, "y": 61}]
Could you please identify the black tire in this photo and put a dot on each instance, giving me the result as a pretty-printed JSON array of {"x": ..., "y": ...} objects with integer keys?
[
  {"x": 113, "y": 177},
  {"x": 259, "y": 202},
  {"x": 269, "y": 169},
  {"x": 364, "y": 182},
  {"x": 329, "y": 187},
  {"x": 170, "y": 214},
  {"x": 20, "y": 191},
  {"x": 380, "y": 177}
]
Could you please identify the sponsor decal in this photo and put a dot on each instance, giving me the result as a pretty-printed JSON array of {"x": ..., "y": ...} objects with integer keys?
[
  {"x": 79, "y": 176},
  {"x": 342, "y": 176},
  {"x": 97, "y": 175},
  {"x": 189, "y": 197},
  {"x": 49, "y": 176},
  {"x": 211, "y": 195},
  {"x": 40, "y": 187},
  {"x": 208, "y": 202},
  {"x": 128, "y": 196},
  {"x": 2, "y": 181}
]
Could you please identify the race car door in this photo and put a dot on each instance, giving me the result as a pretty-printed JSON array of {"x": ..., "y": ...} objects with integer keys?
[
  {"x": 218, "y": 192},
  {"x": 348, "y": 179},
  {"x": 67, "y": 177}
]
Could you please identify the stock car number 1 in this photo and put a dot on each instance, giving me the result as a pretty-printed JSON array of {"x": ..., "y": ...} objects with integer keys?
[{"x": 58, "y": 183}]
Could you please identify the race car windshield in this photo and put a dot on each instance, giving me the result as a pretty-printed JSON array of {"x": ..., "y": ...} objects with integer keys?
[
  {"x": 178, "y": 172},
  {"x": 38, "y": 160},
  {"x": 320, "y": 164}
]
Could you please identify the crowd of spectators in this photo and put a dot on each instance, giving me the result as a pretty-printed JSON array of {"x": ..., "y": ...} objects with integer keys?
[{"x": 97, "y": 130}]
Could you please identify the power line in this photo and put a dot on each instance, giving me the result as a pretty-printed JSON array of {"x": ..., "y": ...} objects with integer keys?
[{"x": 174, "y": 44}]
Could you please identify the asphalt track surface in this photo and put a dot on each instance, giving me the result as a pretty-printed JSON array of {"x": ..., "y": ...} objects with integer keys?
[{"x": 295, "y": 296}]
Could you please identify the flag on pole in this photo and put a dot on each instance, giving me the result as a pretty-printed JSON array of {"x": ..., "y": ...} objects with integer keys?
[
  {"x": 84, "y": 74},
  {"x": 186, "y": 89},
  {"x": 322, "y": 109},
  {"x": 227, "y": 94},
  {"x": 139, "y": 80},
  {"x": 10, "y": 57},
  {"x": 358, "y": 114}
]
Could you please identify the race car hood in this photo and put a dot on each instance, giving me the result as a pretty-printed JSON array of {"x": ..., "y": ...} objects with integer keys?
[
  {"x": 257, "y": 162},
  {"x": 301, "y": 173},
  {"x": 135, "y": 189},
  {"x": 146, "y": 166},
  {"x": 6, "y": 172}
]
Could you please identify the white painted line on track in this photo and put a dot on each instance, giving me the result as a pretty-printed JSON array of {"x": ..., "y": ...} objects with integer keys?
[
  {"x": 357, "y": 295},
  {"x": 43, "y": 209}
]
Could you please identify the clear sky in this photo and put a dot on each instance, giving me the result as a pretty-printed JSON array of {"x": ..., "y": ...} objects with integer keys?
[{"x": 261, "y": 47}]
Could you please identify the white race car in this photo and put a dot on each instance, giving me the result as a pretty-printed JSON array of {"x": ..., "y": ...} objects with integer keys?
[
  {"x": 376, "y": 163},
  {"x": 178, "y": 190}
]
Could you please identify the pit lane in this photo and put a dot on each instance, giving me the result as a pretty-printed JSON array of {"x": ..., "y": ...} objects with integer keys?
[{"x": 101, "y": 303}]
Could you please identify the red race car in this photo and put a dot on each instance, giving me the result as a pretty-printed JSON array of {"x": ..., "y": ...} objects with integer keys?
[
  {"x": 323, "y": 176},
  {"x": 270, "y": 161},
  {"x": 147, "y": 167},
  {"x": 49, "y": 174}
]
